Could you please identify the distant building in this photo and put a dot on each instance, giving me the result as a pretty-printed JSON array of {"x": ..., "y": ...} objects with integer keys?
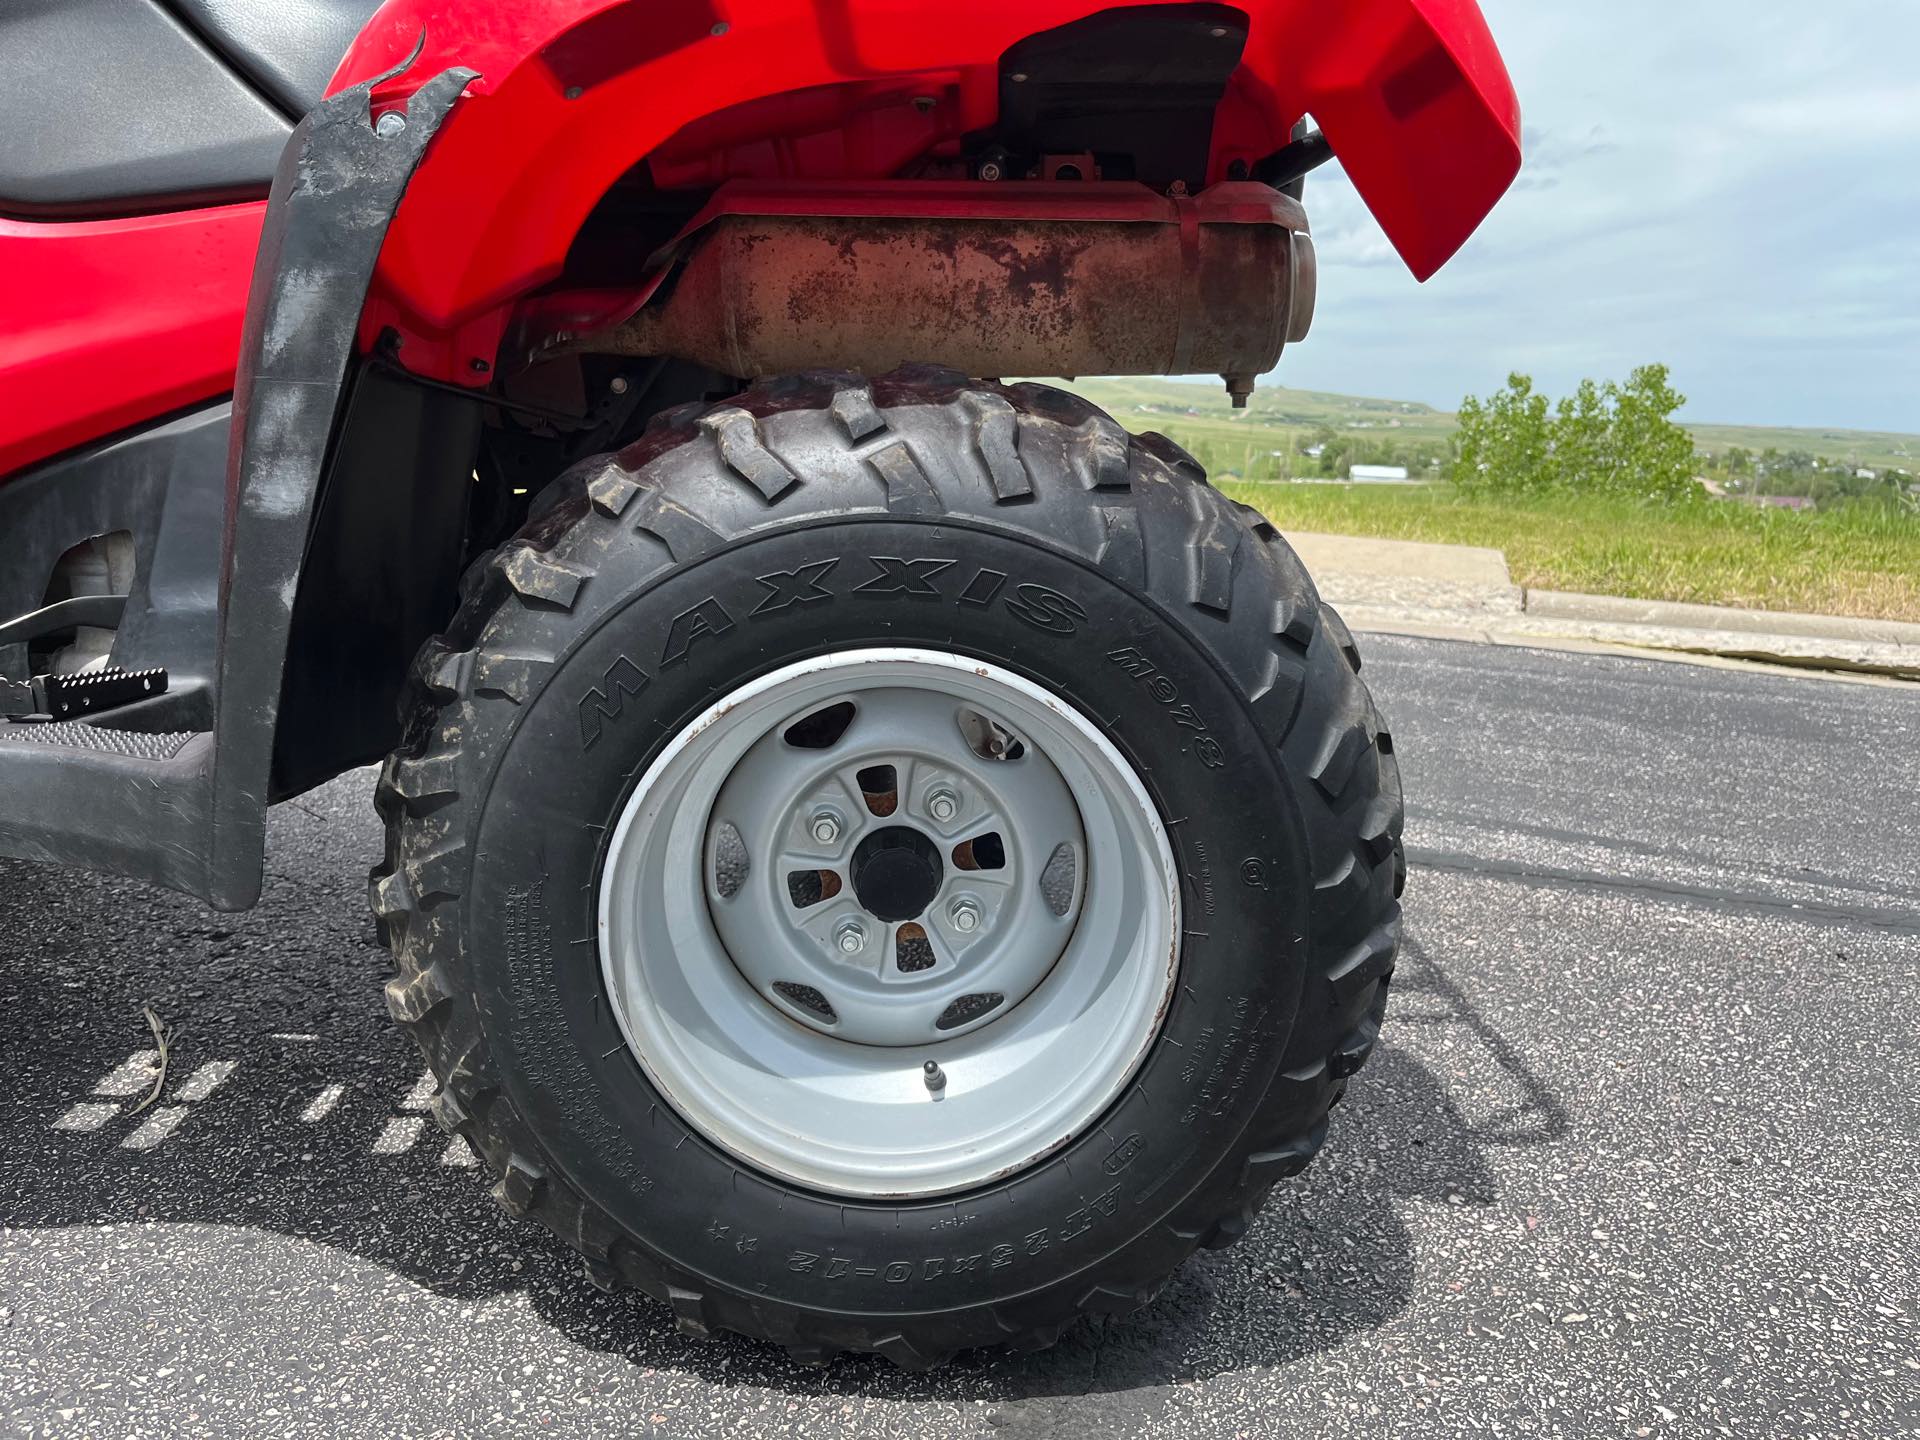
[{"x": 1378, "y": 474}]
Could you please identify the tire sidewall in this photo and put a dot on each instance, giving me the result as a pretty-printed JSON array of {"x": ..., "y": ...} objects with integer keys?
[{"x": 567, "y": 765}]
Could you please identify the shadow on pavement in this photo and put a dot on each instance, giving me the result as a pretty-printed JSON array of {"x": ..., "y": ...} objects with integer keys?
[{"x": 290, "y": 994}]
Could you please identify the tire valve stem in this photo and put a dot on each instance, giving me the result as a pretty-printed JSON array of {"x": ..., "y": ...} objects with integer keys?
[{"x": 936, "y": 1079}]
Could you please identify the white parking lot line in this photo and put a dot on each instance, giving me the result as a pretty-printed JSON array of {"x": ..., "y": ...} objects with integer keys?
[
  {"x": 131, "y": 1076},
  {"x": 87, "y": 1116},
  {"x": 322, "y": 1104},
  {"x": 398, "y": 1136},
  {"x": 158, "y": 1126},
  {"x": 421, "y": 1095},
  {"x": 205, "y": 1080},
  {"x": 459, "y": 1154}
]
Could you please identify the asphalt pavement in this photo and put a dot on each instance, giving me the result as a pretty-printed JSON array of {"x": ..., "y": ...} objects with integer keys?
[{"x": 1639, "y": 1155}]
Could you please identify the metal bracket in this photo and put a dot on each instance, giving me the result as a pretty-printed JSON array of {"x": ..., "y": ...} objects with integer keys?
[{"x": 16, "y": 698}]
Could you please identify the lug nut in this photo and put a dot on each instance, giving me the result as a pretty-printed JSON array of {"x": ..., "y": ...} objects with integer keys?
[
  {"x": 943, "y": 804},
  {"x": 965, "y": 915},
  {"x": 851, "y": 937},
  {"x": 826, "y": 827}
]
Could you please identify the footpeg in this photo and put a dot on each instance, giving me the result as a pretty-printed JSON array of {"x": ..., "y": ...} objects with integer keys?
[{"x": 68, "y": 697}]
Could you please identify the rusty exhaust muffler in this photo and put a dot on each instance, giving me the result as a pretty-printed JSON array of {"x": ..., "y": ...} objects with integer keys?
[{"x": 1101, "y": 278}]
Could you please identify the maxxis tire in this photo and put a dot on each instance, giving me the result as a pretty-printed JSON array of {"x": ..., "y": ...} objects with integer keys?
[{"x": 1223, "y": 679}]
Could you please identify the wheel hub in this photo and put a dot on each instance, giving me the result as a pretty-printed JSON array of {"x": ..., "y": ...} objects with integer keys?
[
  {"x": 896, "y": 872},
  {"x": 866, "y": 861},
  {"x": 900, "y": 902}
]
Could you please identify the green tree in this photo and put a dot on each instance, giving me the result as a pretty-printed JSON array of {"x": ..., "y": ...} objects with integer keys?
[
  {"x": 1582, "y": 440},
  {"x": 1792, "y": 472},
  {"x": 1617, "y": 439},
  {"x": 1504, "y": 442},
  {"x": 1651, "y": 456}
]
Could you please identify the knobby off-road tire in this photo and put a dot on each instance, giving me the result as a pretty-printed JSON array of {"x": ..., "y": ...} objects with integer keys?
[{"x": 1014, "y": 524}]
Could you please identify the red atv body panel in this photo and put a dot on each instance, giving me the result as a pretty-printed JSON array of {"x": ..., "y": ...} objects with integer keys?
[
  {"x": 108, "y": 323},
  {"x": 114, "y": 322}
]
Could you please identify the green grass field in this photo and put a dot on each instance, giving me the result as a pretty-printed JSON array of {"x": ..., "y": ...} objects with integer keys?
[{"x": 1838, "y": 562}]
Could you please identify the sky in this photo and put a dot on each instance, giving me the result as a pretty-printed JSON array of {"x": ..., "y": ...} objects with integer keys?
[{"x": 1732, "y": 189}]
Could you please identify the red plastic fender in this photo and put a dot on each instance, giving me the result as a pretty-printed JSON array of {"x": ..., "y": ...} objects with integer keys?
[
  {"x": 1411, "y": 93},
  {"x": 111, "y": 322}
]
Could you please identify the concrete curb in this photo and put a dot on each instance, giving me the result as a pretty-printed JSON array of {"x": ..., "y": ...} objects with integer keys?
[
  {"x": 1612, "y": 609},
  {"x": 1438, "y": 627},
  {"x": 1806, "y": 652},
  {"x": 1465, "y": 592}
]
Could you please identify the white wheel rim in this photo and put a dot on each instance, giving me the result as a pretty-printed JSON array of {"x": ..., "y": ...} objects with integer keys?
[{"x": 711, "y": 938}]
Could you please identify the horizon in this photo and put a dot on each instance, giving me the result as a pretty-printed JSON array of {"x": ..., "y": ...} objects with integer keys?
[{"x": 1273, "y": 380}]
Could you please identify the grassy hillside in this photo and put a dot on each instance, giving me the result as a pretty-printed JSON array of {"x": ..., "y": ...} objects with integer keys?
[
  {"x": 1841, "y": 562},
  {"x": 1877, "y": 449},
  {"x": 1201, "y": 413}
]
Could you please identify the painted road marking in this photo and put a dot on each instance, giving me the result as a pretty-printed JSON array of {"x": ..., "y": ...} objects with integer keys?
[
  {"x": 87, "y": 1116},
  {"x": 322, "y": 1104},
  {"x": 204, "y": 1081},
  {"x": 158, "y": 1126},
  {"x": 399, "y": 1135},
  {"x": 131, "y": 1076},
  {"x": 135, "y": 1074}
]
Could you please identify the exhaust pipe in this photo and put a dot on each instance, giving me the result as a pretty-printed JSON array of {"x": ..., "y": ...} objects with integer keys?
[{"x": 1022, "y": 278}]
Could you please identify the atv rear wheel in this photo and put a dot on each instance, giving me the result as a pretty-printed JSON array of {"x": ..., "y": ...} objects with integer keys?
[{"x": 890, "y": 867}]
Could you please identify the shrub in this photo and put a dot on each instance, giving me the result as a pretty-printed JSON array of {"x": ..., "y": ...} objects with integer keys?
[{"x": 1602, "y": 439}]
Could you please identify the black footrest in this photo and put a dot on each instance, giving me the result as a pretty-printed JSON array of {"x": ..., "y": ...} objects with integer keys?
[
  {"x": 64, "y": 697},
  {"x": 96, "y": 690}
]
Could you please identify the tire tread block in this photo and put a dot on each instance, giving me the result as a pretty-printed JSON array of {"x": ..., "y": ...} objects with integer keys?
[
  {"x": 744, "y": 450},
  {"x": 538, "y": 579}
]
